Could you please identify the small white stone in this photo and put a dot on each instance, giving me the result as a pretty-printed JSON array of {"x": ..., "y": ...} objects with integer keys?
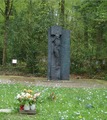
[{"x": 6, "y": 110}]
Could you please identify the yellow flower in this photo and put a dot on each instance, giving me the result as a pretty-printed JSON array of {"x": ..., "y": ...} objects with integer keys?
[{"x": 29, "y": 91}]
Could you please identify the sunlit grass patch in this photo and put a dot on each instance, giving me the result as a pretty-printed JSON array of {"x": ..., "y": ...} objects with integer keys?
[{"x": 57, "y": 103}]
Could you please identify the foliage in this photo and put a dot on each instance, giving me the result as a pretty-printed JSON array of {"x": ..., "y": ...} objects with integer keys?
[{"x": 28, "y": 27}]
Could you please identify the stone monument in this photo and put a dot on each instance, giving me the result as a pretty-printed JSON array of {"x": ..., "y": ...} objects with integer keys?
[{"x": 58, "y": 53}]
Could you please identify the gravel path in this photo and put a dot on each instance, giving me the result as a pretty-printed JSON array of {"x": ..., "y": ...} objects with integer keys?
[{"x": 72, "y": 83}]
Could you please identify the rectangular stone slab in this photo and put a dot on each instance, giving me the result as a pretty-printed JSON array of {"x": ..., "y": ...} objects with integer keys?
[
  {"x": 29, "y": 112},
  {"x": 65, "y": 55}
]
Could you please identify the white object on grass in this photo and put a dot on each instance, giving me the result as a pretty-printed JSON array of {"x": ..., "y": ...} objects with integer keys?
[{"x": 5, "y": 110}]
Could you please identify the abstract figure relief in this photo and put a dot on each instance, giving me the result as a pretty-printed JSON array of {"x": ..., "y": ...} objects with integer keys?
[
  {"x": 58, "y": 53},
  {"x": 56, "y": 49}
]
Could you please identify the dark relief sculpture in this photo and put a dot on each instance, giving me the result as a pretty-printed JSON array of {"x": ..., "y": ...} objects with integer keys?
[
  {"x": 58, "y": 42},
  {"x": 56, "y": 49}
]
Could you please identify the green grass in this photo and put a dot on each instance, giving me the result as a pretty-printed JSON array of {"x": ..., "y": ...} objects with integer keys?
[{"x": 70, "y": 103}]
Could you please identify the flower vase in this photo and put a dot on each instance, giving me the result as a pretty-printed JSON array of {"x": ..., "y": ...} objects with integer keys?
[
  {"x": 33, "y": 107},
  {"x": 26, "y": 107},
  {"x": 21, "y": 107}
]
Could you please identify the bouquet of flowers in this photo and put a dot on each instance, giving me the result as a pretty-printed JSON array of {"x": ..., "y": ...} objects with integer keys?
[{"x": 27, "y": 97}]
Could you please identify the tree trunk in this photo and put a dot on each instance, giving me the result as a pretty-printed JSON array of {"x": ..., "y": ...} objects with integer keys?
[
  {"x": 86, "y": 36},
  {"x": 7, "y": 13},
  {"x": 99, "y": 40},
  {"x": 5, "y": 44},
  {"x": 62, "y": 12}
]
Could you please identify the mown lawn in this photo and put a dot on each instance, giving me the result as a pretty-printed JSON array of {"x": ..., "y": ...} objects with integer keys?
[{"x": 69, "y": 103}]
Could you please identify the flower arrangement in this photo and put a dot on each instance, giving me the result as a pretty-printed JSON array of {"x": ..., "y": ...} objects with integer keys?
[{"x": 27, "y": 97}]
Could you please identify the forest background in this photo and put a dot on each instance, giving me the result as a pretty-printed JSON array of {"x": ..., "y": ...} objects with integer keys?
[{"x": 24, "y": 28}]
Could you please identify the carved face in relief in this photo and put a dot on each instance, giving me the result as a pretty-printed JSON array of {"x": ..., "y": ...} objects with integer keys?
[
  {"x": 56, "y": 31},
  {"x": 57, "y": 40}
]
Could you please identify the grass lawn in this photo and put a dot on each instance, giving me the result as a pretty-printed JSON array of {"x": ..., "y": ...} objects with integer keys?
[{"x": 69, "y": 103}]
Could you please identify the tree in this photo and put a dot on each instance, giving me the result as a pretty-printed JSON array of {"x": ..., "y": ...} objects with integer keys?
[
  {"x": 62, "y": 12},
  {"x": 6, "y": 14}
]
